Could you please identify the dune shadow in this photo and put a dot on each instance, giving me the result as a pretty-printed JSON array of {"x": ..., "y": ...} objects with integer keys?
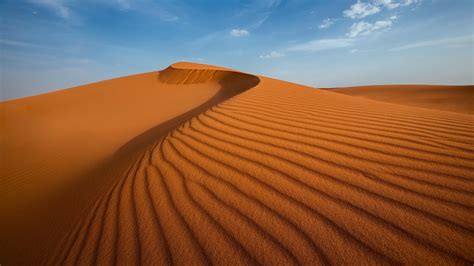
[{"x": 232, "y": 83}]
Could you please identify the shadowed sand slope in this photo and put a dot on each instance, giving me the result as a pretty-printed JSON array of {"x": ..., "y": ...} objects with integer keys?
[
  {"x": 448, "y": 98},
  {"x": 270, "y": 172},
  {"x": 62, "y": 149}
]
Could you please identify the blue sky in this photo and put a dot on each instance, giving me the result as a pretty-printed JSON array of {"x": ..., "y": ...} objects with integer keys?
[{"x": 53, "y": 44}]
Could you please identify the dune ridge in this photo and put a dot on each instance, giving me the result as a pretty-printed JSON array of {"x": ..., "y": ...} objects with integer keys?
[
  {"x": 230, "y": 83},
  {"x": 66, "y": 147},
  {"x": 276, "y": 173}
]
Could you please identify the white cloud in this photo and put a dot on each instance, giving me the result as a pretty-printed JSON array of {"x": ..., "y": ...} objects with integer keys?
[
  {"x": 273, "y": 54},
  {"x": 453, "y": 42},
  {"x": 364, "y": 28},
  {"x": 410, "y": 2},
  {"x": 394, "y": 17},
  {"x": 321, "y": 45},
  {"x": 56, "y": 6},
  {"x": 239, "y": 32},
  {"x": 361, "y": 10},
  {"x": 390, "y": 4},
  {"x": 353, "y": 51},
  {"x": 326, "y": 23}
]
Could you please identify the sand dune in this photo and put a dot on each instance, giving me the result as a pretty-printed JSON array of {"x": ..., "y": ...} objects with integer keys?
[
  {"x": 199, "y": 164},
  {"x": 447, "y": 98}
]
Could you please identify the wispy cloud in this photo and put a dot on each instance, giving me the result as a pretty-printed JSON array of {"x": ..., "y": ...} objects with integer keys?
[
  {"x": 196, "y": 59},
  {"x": 123, "y": 4},
  {"x": 455, "y": 41},
  {"x": 69, "y": 9},
  {"x": 273, "y": 54},
  {"x": 321, "y": 45},
  {"x": 390, "y": 4},
  {"x": 17, "y": 43},
  {"x": 258, "y": 8},
  {"x": 239, "y": 32},
  {"x": 260, "y": 21},
  {"x": 267, "y": 3},
  {"x": 410, "y": 2},
  {"x": 361, "y": 10},
  {"x": 255, "y": 13},
  {"x": 147, "y": 7},
  {"x": 56, "y": 6},
  {"x": 326, "y": 23},
  {"x": 363, "y": 28},
  {"x": 311, "y": 46}
]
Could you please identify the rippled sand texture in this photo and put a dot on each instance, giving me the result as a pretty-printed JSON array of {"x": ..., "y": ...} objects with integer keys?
[
  {"x": 446, "y": 98},
  {"x": 263, "y": 171}
]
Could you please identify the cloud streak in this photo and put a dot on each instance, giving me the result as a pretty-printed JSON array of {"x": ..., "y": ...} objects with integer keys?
[
  {"x": 70, "y": 9},
  {"x": 18, "y": 43},
  {"x": 363, "y": 9},
  {"x": 271, "y": 55},
  {"x": 390, "y": 4},
  {"x": 363, "y": 28},
  {"x": 56, "y": 6},
  {"x": 455, "y": 41},
  {"x": 321, "y": 45},
  {"x": 123, "y": 4},
  {"x": 326, "y": 23}
]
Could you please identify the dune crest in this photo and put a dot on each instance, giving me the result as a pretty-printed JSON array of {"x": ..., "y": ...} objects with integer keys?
[
  {"x": 262, "y": 171},
  {"x": 60, "y": 150}
]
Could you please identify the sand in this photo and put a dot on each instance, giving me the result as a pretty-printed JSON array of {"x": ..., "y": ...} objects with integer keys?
[
  {"x": 199, "y": 164},
  {"x": 446, "y": 98}
]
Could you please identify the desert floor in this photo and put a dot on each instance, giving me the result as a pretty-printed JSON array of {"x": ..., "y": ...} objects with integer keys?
[{"x": 199, "y": 164}]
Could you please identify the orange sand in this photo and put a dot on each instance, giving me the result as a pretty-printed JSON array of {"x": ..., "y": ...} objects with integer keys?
[
  {"x": 446, "y": 98},
  {"x": 198, "y": 164}
]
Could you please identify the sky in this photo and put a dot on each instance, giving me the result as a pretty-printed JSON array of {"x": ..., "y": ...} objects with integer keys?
[{"x": 47, "y": 45}]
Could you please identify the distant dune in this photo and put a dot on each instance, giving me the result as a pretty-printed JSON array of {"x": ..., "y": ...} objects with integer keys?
[
  {"x": 446, "y": 98},
  {"x": 199, "y": 164}
]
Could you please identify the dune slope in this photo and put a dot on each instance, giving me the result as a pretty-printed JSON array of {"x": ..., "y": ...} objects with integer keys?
[
  {"x": 60, "y": 150},
  {"x": 277, "y": 173},
  {"x": 447, "y": 98}
]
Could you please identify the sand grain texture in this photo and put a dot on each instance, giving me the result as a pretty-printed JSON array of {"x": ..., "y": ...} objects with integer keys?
[{"x": 236, "y": 169}]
